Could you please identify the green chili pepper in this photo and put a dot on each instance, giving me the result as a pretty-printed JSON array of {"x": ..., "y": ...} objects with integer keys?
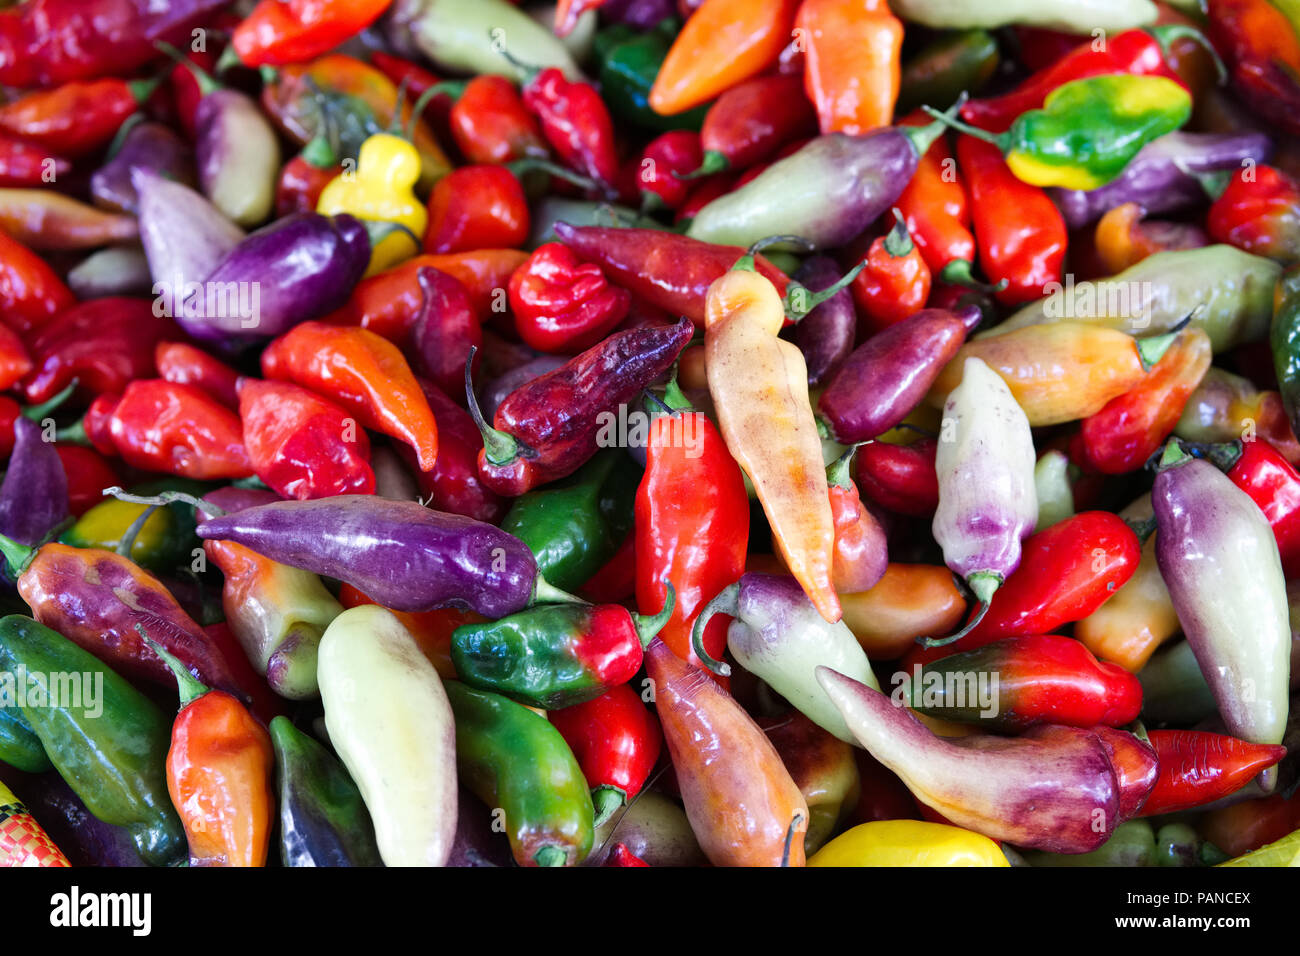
[
  {"x": 19, "y": 745},
  {"x": 517, "y": 763},
  {"x": 575, "y": 526},
  {"x": 1132, "y": 844},
  {"x": 323, "y": 820},
  {"x": 1087, "y": 130},
  {"x": 945, "y": 68},
  {"x": 105, "y": 738},
  {"x": 629, "y": 63},
  {"x": 165, "y": 539},
  {"x": 1284, "y": 338}
]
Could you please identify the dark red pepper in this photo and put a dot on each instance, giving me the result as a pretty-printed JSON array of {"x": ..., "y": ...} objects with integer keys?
[
  {"x": 89, "y": 473},
  {"x": 30, "y": 291},
  {"x": 561, "y": 304},
  {"x": 300, "y": 185},
  {"x": 1259, "y": 212},
  {"x": 662, "y": 162},
  {"x": 1196, "y": 768},
  {"x": 900, "y": 478},
  {"x": 75, "y": 118},
  {"x": 491, "y": 124},
  {"x": 576, "y": 122},
  {"x": 753, "y": 119},
  {"x": 25, "y": 164}
]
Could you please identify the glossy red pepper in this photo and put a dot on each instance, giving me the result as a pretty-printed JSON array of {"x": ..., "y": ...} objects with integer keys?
[
  {"x": 561, "y": 304},
  {"x": 105, "y": 344},
  {"x": 76, "y": 118},
  {"x": 753, "y": 119},
  {"x": 1026, "y": 249},
  {"x": 1273, "y": 483},
  {"x": 1135, "y": 764},
  {"x": 30, "y": 291},
  {"x": 491, "y": 124},
  {"x": 935, "y": 207},
  {"x": 616, "y": 741},
  {"x": 615, "y": 582},
  {"x": 1259, "y": 211},
  {"x": 97, "y": 423},
  {"x": 901, "y": 478},
  {"x": 185, "y": 89},
  {"x": 25, "y": 164},
  {"x": 1196, "y": 768},
  {"x": 444, "y": 331},
  {"x": 89, "y": 473},
  {"x": 662, "y": 162},
  {"x": 14, "y": 360},
  {"x": 576, "y": 122},
  {"x": 620, "y": 855},
  {"x": 301, "y": 445},
  {"x": 187, "y": 365},
  {"x": 291, "y": 31},
  {"x": 476, "y": 207},
  {"x": 178, "y": 430},
  {"x": 895, "y": 282}
]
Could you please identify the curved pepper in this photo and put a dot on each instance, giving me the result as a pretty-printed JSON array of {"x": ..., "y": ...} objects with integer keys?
[
  {"x": 276, "y": 32},
  {"x": 861, "y": 552},
  {"x": 186, "y": 365},
  {"x": 1196, "y": 768}
]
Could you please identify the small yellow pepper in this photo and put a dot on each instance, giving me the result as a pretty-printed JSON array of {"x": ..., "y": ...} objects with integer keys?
[
  {"x": 381, "y": 189},
  {"x": 909, "y": 843}
]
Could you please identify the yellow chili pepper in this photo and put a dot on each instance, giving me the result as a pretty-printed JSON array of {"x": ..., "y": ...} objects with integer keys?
[
  {"x": 1059, "y": 372},
  {"x": 22, "y": 840},
  {"x": 909, "y": 843},
  {"x": 381, "y": 189},
  {"x": 759, "y": 385}
]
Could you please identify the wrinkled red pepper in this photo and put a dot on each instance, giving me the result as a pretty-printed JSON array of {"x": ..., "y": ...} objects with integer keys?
[
  {"x": 561, "y": 304},
  {"x": 1196, "y": 768}
]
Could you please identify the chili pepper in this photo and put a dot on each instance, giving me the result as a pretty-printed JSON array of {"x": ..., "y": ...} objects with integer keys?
[
  {"x": 1129, "y": 429},
  {"x": 25, "y": 164},
  {"x": 548, "y": 427},
  {"x": 935, "y": 208},
  {"x": 1274, "y": 485},
  {"x": 1242, "y": 827},
  {"x": 219, "y": 773},
  {"x": 1227, "y": 407},
  {"x": 825, "y": 335},
  {"x": 417, "y": 80},
  {"x": 1061, "y": 372},
  {"x": 303, "y": 179},
  {"x": 1284, "y": 340},
  {"x": 1165, "y": 175},
  {"x": 949, "y": 65},
  {"x": 1257, "y": 212},
  {"x": 752, "y": 120},
  {"x": 460, "y": 38},
  {"x": 476, "y": 207},
  {"x": 301, "y": 445},
  {"x": 323, "y": 819},
  {"x": 491, "y": 124},
  {"x": 901, "y": 478},
  {"x": 1260, "y": 43},
  {"x": 896, "y": 281},
  {"x": 909, "y": 843},
  {"x": 653, "y": 827},
  {"x": 381, "y": 189},
  {"x": 390, "y": 721},
  {"x": 828, "y": 192},
  {"x": 664, "y": 163},
  {"x": 76, "y": 118},
  {"x": 30, "y": 292},
  {"x": 1107, "y": 15},
  {"x": 443, "y": 334},
  {"x": 722, "y": 44},
  {"x": 1000, "y": 789},
  {"x": 59, "y": 41},
  {"x": 46, "y": 221},
  {"x": 987, "y": 501},
  {"x": 629, "y": 64},
  {"x": 115, "y": 765},
  {"x": 151, "y": 145},
  {"x": 861, "y": 555},
  {"x": 15, "y": 363},
  {"x": 616, "y": 742},
  {"x": 741, "y": 802},
  {"x": 363, "y": 373},
  {"x": 1053, "y": 489},
  {"x": 909, "y": 601},
  {"x": 184, "y": 236},
  {"x": 1132, "y": 844},
  {"x": 1039, "y": 679},
  {"x": 432, "y": 630},
  {"x": 1234, "y": 612},
  {"x": 852, "y": 71},
  {"x": 1135, "y": 764},
  {"x": 556, "y": 655},
  {"x": 156, "y": 542},
  {"x": 88, "y": 473},
  {"x": 822, "y": 767},
  {"x": 276, "y": 32},
  {"x": 561, "y": 305},
  {"x": 759, "y": 387},
  {"x": 575, "y": 121},
  {"x": 1233, "y": 290},
  {"x": 1122, "y": 239},
  {"x": 514, "y": 759},
  {"x": 22, "y": 840},
  {"x": 1197, "y": 768},
  {"x": 186, "y": 365}
]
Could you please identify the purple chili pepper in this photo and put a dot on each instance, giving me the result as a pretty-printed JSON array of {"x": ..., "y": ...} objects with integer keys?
[
  {"x": 184, "y": 236},
  {"x": 495, "y": 391},
  {"x": 825, "y": 335},
  {"x": 399, "y": 553},
  {"x": 34, "y": 494},
  {"x": 1162, "y": 177},
  {"x": 888, "y": 375},
  {"x": 84, "y": 839},
  {"x": 295, "y": 269},
  {"x": 146, "y": 145}
]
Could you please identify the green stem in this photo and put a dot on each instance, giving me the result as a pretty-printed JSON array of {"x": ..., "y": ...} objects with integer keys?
[
  {"x": 948, "y": 118},
  {"x": 1142, "y": 529},
  {"x": 230, "y": 58},
  {"x": 958, "y": 272},
  {"x": 647, "y": 626},
  {"x": 759, "y": 245},
  {"x": 813, "y": 299},
  {"x": 127, "y": 541},
  {"x": 674, "y": 397},
  {"x": 714, "y": 162},
  {"x": 380, "y": 229},
  {"x": 923, "y": 137},
  {"x": 521, "y": 167},
  {"x": 837, "y": 472},
  {"x": 16, "y": 555},
  {"x": 320, "y": 153},
  {"x": 1224, "y": 455},
  {"x": 983, "y": 584},
  {"x": 189, "y": 687},
  {"x": 128, "y": 124},
  {"x": 141, "y": 90},
  {"x": 789, "y": 839},
  {"x": 207, "y": 83},
  {"x": 606, "y": 801},
  {"x": 36, "y": 413},
  {"x": 166, "y": 498},
  {"x": 1173, "y": 456},
  {"x": 899, "y": 241},
  {"x": 1152, "y": 350},
  {"x": 544, "y": 592},
  {"x": 726, "y": 602},
  {"x": 500, "y": 447},
  {"x": 550, "y": 856},
  {"x": 74, "y": 434}
]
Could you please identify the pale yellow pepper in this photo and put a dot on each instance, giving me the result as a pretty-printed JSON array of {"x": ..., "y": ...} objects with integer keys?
[{"x": 909, "y": 843}]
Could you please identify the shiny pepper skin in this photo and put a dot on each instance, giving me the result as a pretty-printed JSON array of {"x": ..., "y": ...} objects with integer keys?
[
  {"x": 576, "y": 122},
  {"x": 180, "y": 430},
  {"x": 895, "y": 282},
  {"x": 674, "y": 153},
  {"x": 477, "y": 207},
  {"x": 562, "y": 304},
  {"x": 1259, "y": 212}
]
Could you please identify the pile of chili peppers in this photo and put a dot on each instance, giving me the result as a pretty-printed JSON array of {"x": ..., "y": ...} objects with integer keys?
[{"x": 648, "y": 432}]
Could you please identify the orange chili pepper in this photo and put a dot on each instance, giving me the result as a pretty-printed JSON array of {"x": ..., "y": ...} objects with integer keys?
[
  {"x": 364, "y": 373},
  {"x": 1122, "y": 239},
  {"x": 852, "y": 68},
  {"x": 759, "y": 385},
  {"x": 30, "y": 292},
  {"x": 935, "y": 206},
  {"x": 15, "y": 363},
  {"x": 909, "y": 601},
  {"x": 219, "y": 774},
  {"x": 723, "y": 43},
  {"x": 895, "y": 282}
]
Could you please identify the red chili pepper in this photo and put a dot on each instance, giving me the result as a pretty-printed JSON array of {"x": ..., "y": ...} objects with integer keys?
[
  {"x": 561, "y": 304},
  {"x": 14, "y": 360},
  {"x": 30, "y": 291},
  {"x": 615, "y": 582},
  {"x": 76, "y": 118},
  {"x": 177, "y": 430},
  {"x": 300, "y": 185},
  {"x": 935, "y": 207},
  {"x": 1196, "y": 768},
  {"x": 291, "y": 31},
  {"x": 89, "y": 473},
  {"x": 1128, "y": 430},
  {"x": 1041, "y": 679},
  {"x": 753, "y": 119},
  {"x": 364, "y": 373},
  {"x": 900, "y": 478},
  {"x": 185, "y": 89},
  {"x": 616, "y": 741},
  {"x": 1026, "y": 249},
  {"x": 576, "y": 122},
  {"x": 179, "y": 362},
  {"x": 663, "y": 268},
  {"x": 1273, "y": 483},
  {"x": 662, "y": 162},
  {"x": 105, "y": 344},
  {"x": 301, "y": 445},
  {"x": 445, "y": 331},
  {"x": 25, "y": 164},
  {"x": 1066, "y": 572},
  {"x": 620, "y": 855},
  {"x": 477, "y": 207},
  {"x": 895, "y": 282},
  {"x": 1135, "y": 764},
  {"x": 860, "y": 551},
  {"x": 491, "y": 124},
  {"x": 1132, "y": 51},
  {"x": 692, "y": 527},
  {"x": 97, "y": 423},
  {"x": 1258, "y": 212}
]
